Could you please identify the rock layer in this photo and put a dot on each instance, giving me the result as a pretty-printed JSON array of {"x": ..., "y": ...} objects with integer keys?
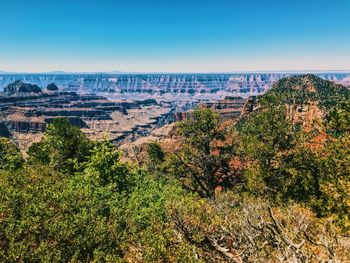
[{"x": 30, "y": 113}]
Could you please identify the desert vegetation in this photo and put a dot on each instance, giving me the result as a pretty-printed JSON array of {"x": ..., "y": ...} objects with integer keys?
[{"x": 272, "y": 187}]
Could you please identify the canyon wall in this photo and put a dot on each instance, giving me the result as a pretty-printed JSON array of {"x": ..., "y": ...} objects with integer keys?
[{"x": 189, "y": 84}]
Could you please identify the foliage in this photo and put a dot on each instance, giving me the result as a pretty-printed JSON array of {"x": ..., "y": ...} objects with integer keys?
[
  {"x": 269, "y": 137},
  {"x": 148, "y": 224},
  {"x": 155, "y": 152},
  {"x": 245, "y": 229},
  {"x": 339, "y": 118},
  {"x": 64, "y": 146},
  {"x": 203, "y": 162},
  {"x": 155, "y": 158},
  {"x": 335, "y": 184},
  {"x": 277, "y": 197},
  {"x": 302, "y": 89},
  {"x": 10, "y": 156},
  {"x": 47, "y": 216},
  {"x": 105, "y": 166},
  {"x": 201, "y": 129}
]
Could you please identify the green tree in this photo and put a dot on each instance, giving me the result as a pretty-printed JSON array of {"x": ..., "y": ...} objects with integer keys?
[
  {"x": 155, "y": 152},
  {"x": 155, "y": 159},
  {"x": 203, "y": 163},
  {"x": 104, "y": 164},
  {"x": 149, "y": 228},
  {"x": 338, "y": 119},
  {"x": 270, "y": 138},
  {"x": 10, "y": 156},
  {"x": 63, "y": 147},
  {"x": 335, "y": 181}
]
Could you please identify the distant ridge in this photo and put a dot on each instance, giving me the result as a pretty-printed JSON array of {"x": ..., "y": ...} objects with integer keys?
[
  {"x": 93, "y": 72},
  {"x": 7, "y": 73},
  {"x": 59, "y": 72},
  {"x": 115, "y": 72}
]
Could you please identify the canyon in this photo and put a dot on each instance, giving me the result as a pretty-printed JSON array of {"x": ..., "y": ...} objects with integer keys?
[
  {"x": 162, "y": 86},
  {"x": 25, "y": 114},
  {"x": 124, "y": 107}
]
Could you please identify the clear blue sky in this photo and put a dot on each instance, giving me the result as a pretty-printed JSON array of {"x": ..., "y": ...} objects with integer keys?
[{"x": 174, "y": 36}]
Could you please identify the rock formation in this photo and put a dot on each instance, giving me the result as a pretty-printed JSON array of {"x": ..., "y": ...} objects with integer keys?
[
  {"x": 52, "y": 87},
  {"x": 229, "y": 108},
  {"x": 21, "y": 87},
  {"x": 190, "y": 85},
  {"x": 25, "y": 112}
]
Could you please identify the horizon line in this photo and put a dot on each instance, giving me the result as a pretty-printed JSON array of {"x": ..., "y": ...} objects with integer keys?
[{"x": 116, "y": 72}]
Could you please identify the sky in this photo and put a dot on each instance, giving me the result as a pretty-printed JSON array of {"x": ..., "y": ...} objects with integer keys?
[{"x": 174, "y": 35}]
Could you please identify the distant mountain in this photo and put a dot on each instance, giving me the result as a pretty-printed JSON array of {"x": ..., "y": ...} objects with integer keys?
[
  {"x": 6, "y": 72},
  {"x": 116, "y": 72},
  {"x": 60, "y": 72},
  {"x": 91, "y": 72},
  {"x": 56, "y": 72}
]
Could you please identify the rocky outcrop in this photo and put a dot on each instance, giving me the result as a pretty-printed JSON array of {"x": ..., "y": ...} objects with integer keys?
[
  {"x": 227, "y": 103},
  {"x": 21, "y": 87},
  {"x": 52, "y": 87},
  {"x": 37, "y": 125},
  {"x": 31, "y": 125},
  {"x": 228, "y": 108}
]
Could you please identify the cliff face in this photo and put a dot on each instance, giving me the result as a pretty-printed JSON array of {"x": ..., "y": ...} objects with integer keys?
[
  {"x": 229, "y": 108},
  {"x": 30, "y": 114},
  {"x": 181, "y": 84},
  {"x": 26, "y": 126},
  {"x": 24, "y": 115},
  {"x": 185, "y": 84}
]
